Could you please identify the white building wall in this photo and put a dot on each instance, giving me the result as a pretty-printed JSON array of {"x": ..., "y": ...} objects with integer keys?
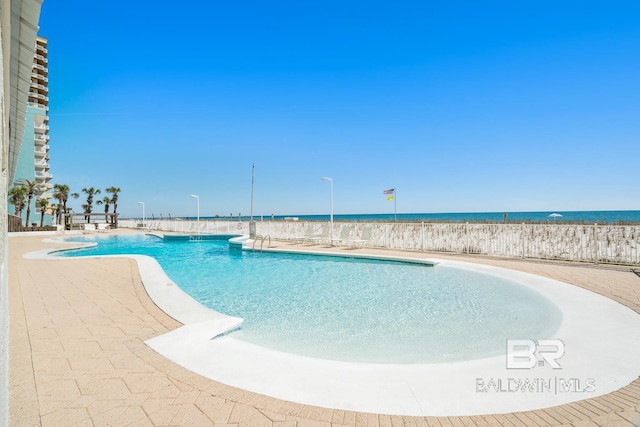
[
  {"x": 18, "y": 26},
  {"x": 4, "y": 261}
]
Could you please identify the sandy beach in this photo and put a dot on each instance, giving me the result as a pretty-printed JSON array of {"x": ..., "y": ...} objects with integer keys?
[{"x": 78, "y": 357}]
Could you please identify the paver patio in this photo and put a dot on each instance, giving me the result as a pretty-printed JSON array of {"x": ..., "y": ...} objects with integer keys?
[{"x": 77, "y": 354}]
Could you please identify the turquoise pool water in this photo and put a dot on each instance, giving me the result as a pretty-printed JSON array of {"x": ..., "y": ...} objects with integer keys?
[{"x": 345, "y": 308}]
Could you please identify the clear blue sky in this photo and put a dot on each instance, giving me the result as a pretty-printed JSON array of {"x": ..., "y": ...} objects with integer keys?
[{"x": 467, "y": 106}]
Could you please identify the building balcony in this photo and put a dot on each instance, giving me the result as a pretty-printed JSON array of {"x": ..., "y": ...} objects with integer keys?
[
  {"x": 40, "y": 60},
  {"x": 42, "y": 165},
  {"x": 33, "y": 103},
  {"x": 39, "y": 77},
  {"x": 40, "y": 101},
  {"x": 39, "y": 96},
  {"x": 39, "y": 87},
  {"x": 41, "y": 68},
  {"x": 44, "y": 175},
  {"x": 41, "y": 139},
  {"x": 41, "y": 128}
]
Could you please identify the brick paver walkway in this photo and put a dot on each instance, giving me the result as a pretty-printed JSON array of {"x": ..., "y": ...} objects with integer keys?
[{"x": 77, "y": 356}]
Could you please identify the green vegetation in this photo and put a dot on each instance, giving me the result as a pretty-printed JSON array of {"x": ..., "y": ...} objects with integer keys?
[{"x": 22, "y": 193}]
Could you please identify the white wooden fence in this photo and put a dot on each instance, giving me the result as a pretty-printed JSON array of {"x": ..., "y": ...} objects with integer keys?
[{"x": 617, "y": 244}]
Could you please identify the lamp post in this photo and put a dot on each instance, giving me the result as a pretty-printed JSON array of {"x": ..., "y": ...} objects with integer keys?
[
  {"x": 143, "y": 217},
  {"x": 195, "y": 196},
  {"x": 330, "y": 181},
  {"x": 252, "y": 224}
]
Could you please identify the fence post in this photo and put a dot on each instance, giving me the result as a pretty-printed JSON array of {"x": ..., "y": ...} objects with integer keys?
[
  {"x": 422, "y": 236},
  {"x": 522, "y": 238},
  {"x": 466, "y": 235},
  {"x": 595, "y": 242}
]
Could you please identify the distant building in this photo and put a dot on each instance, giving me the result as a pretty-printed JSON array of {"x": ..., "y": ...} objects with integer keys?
[
  {"x": 39, "y": 104},
  {"x": 33, "y": 159}
]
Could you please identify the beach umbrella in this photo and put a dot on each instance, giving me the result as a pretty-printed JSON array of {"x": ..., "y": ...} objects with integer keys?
[{"x": 555, "y": 216}]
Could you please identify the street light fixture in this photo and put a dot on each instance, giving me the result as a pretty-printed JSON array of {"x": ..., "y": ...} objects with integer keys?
[
  {"x": 330, "y": 181},
  {"x": 195, "y": 196},
  {"x": 143, "y": 216}
]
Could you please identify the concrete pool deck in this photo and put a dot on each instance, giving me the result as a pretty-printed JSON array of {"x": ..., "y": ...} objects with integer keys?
[{"x": 77, "y": 354}]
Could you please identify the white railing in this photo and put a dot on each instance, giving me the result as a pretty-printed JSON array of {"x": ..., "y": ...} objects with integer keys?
[
  {"x": 188, "y": 226},
  {"x": 616, "y": 244},
  {"x": 38, "y": 96},
  {"x": 39, "y": 77}
]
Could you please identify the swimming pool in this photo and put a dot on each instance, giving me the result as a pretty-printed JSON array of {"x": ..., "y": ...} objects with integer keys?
[
  {"x": 348, "y": 309},
  {"x": 601, "y": 339}
]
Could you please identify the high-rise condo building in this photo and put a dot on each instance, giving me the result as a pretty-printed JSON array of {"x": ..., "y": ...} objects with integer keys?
[
  {"x": 39, "y": 104},
  {"x": 33, "y": 160}
]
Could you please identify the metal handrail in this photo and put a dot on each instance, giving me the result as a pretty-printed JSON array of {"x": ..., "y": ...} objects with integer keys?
[{"x": 262, "y": 239}]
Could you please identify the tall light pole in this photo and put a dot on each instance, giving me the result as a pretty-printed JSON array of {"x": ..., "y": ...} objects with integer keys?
[
  {"x": 143, "y": 217},
  {"x": 330, "y": 181},
  {"x": 195, "y": 196},
  {"x": 252, "y": 224}
]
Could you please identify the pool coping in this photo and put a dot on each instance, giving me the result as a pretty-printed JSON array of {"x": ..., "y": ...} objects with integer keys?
[{"x": 198, "y": 330}]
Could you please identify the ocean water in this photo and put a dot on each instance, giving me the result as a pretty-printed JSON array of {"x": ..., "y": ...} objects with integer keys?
[{"x": 587, "y": 217}]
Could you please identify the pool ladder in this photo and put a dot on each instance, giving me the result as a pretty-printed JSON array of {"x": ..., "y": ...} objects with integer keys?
[
  {"x": 262, "y": 239},
  {"x": 195, "y": 238}
]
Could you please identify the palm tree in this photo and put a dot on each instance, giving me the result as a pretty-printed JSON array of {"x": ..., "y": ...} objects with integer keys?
[
  {"x": 114, "y": 199},
  {"x": 17, "y": 193},
  {"x": 59, "y": 208},
  {"x": 88, "y": 208},
  {"x": 61, "y": 192},
  {"x": 106, "y": 201},
  {"x": 43, "y": 204},
  {"x": 55, "y": 210},
  {"x": 30, "y": 187}
]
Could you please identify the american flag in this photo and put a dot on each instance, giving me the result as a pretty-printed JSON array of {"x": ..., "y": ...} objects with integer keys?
[{"x": 390, "y": 191}]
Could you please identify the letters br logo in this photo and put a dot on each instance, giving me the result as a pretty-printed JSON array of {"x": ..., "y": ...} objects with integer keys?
[{"x": 527, "y": 354}]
